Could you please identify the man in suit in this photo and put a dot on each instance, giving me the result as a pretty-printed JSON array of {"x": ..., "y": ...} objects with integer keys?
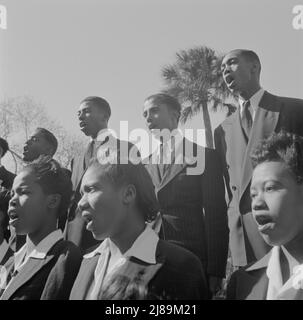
[
  {"x": 277, "y": 207},
  {"x": 131, "y": 262},
  {"x": 258, "y": 116},
  {"x": 189, "y": 187}
]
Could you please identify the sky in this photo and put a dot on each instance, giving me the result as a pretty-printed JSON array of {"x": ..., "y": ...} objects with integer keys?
[{"x": 60, "y": 51}]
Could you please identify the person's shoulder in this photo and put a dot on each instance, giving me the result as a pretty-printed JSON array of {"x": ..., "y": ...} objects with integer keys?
[
  {"x": 180, "y": 260},
  {"x": 66, "y": 248}
]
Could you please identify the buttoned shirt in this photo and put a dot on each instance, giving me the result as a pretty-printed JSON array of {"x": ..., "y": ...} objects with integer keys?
[
  {"x": 254, "y": 102},
  {"x": 29, "y": 250},
  {"x": 143, "y": 248},
  {"x": 276, "y": 289}
]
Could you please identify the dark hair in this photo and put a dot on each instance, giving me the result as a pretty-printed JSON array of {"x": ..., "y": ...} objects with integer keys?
[
  {"x": 50, "y": 138},
  {"x": 250, "y": 56},
  {"x": 4, "y": 146},
  {"x": 163, "y": 98},
  {"x": 120, "y": 172},
  {"x": 4, "y": 225},
  {"x": 100, "y": 103},
  {"x": 53, "y": 180},
  {"x": 283, "y": 147}
]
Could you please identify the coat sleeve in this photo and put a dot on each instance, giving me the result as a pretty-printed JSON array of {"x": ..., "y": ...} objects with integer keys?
[
  {"x": 63, "y": 275},
  {"x": 215, "y": 210}
]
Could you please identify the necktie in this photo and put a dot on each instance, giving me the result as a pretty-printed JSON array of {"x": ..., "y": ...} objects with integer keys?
[
  {"x": 161, "y": 165},
  {"x": 246, "y": 118},
  {"x": 89, "y": 153}
]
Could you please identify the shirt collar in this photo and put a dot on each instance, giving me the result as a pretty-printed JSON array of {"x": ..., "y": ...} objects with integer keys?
[
  {"x": 178, "y": 138},
  {"x": 102, "y": 134},
  {"x": 144, "y": 247},
  {"x": 40, "y": 251},
  {"x": 254, "y": 100},
  {"x": 3, "y": 249}
]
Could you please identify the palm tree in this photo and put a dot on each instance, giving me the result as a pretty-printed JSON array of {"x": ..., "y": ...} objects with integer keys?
[{"x": 195, "y": 80}]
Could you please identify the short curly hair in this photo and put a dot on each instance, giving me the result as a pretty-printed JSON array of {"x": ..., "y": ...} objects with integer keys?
[
  {"x": 283, "y": 147},
  {"x": 53, "y": 180}
]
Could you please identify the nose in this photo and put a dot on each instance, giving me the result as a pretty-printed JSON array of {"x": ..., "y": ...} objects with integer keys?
[
  {"x": 149, "y": 118},
  {"x": 226, "y": 70},
  {"x": 83, "y": 204},
  {"x": 13, "y": 201},
  {"x": 258, "y": 203},
  {"x": 80, "y": 116}
]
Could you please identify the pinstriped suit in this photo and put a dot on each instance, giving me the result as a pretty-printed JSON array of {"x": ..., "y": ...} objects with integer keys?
[{"x": 193, "y": 208}]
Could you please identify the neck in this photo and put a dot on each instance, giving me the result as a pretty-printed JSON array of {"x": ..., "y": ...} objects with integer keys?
[
  {"x": 248, "y": 93},
  {"x": 38, "y": 236},
  {"x": 295, "y": 248},
  {"x": 95, "y": 134},
  {"x": 124, "y": 240}
]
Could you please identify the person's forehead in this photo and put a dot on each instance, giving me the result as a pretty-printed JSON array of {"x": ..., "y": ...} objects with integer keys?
[
  {"x": 275, "y": 170},
  {"x": 151, "y": 104},
  {"x": 231, "y": 55},
  {"x": 25, "y": 178},
  {"x": 95, "y": 175},
  {"x": 38, "y": 134}
]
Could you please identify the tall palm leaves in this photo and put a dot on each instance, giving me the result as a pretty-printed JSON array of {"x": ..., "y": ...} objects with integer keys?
[{"x": 195, "y": 80}]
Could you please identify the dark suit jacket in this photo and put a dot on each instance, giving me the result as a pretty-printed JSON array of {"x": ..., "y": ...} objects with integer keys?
[
  {"x": 193, "y": 208},
  {"x": 76, "y": 227},
  {"x": 273, "y": 114},
  {"x": 177, "y": 274},
  {"x": 6, "y": 182},
  {"x": 9, "y": 253},
  {"x": 249, "y": 283},
  {"x": 47, "y": 279}
]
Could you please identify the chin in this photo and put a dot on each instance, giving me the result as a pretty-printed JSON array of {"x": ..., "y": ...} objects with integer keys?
[{"x": 99, "y": 236}]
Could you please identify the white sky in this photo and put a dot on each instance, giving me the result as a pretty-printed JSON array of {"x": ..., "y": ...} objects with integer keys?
[{"x": 60, "y": 51}]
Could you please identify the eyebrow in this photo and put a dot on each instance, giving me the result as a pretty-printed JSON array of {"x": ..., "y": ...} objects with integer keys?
[
  {"x": 229, "y": 60},
  {"x": 84, "y": 109}
]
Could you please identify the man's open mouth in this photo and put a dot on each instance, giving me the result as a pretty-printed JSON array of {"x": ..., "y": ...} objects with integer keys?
[
  {"x": 229, "y": 80},
  {"x": 12, "y": 215}
]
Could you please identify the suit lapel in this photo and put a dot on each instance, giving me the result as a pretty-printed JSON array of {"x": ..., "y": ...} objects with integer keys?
[
  {"x": 253, "y": 283},
  {"x": 28, "y": 271},
  {"x": 152, "y": 168},
  {"x": 85, "y": 278},
  {"x": 264, "y": 125},
  {"x": 258, "y": 284},
  {"x": 174, "y": 169}
]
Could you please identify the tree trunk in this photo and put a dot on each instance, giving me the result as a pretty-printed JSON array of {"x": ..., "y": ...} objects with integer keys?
[{"x": 207, "y": 126}]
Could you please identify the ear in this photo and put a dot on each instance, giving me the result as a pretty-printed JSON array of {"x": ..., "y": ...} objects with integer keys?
[
  {"x": 53, "y": 201},
  {"x": 255, "y": 67},
  {"x": 129, "y": 194}
]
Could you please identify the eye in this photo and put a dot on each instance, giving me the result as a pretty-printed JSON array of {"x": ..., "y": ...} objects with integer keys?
[
  {"x": 253, "y": 194},
  {"x": 91, "y": 189},
  {"x": 270, "y": 188},
  {"x": 24, "y": 191}
]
